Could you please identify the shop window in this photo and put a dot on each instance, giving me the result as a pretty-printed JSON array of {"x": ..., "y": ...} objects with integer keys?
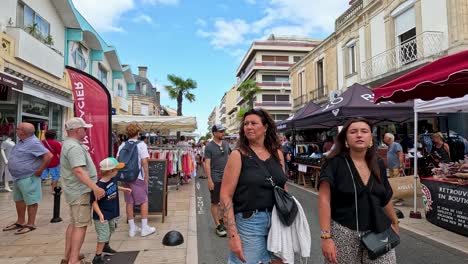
[
  {"x": 56, "y": 123},
  {"x": 102, "y": 75},
  {"x": 35, "y": 106},
  {"x": 119, "y": 90},
  {"x": 79, "y": 58}
]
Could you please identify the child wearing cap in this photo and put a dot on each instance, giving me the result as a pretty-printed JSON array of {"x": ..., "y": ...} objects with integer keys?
[{"x": 106, "y": 210}]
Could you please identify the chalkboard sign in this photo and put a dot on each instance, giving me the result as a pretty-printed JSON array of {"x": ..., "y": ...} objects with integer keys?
[{"x": 157, "y": 188}]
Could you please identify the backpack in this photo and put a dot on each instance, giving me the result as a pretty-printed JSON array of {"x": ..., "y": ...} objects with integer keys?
[{"x": 129, "y": 155}]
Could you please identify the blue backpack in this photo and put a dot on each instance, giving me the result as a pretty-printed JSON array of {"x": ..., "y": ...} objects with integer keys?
[{"x": 129, "y": 155}]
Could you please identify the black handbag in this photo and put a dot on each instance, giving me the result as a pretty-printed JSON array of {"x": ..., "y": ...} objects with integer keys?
[
  {"x": 284, "y": 202},
  {"x": 377, "y": 244}
]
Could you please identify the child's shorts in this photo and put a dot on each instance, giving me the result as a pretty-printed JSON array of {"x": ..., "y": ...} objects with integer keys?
[{"x": 104, "y": 230}]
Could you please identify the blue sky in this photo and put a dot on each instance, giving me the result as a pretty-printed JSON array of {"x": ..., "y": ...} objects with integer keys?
[{"x": 201, "y": 39}]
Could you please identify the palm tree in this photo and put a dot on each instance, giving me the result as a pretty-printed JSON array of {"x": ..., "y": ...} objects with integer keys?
[
  {"x": 248, "y": 89},
  {"x": 179, "y": 89}
]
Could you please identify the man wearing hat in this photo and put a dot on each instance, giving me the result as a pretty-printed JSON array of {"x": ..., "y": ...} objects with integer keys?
[
  {"x": 216, "y": 156},
  {"x": 79, "y": 178}
]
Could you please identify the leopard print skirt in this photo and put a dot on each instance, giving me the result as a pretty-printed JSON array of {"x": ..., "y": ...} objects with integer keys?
[{"x": 349, "y": 248}]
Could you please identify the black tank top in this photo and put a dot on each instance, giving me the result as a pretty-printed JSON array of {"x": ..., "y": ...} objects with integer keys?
[
  {"x": 444, "y": 156},
  {"x": 253, "y": 190}
]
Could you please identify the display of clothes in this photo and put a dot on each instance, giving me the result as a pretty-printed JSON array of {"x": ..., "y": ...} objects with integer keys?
[{"x": 180, "y": 160}]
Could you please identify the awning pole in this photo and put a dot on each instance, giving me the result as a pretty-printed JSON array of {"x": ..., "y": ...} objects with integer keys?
[{"x": 415, "y": 213}]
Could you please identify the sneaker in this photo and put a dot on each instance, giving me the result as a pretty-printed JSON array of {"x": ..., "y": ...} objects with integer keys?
[
  {"x": 98, "y": 260},
  {"x": 108, "y": 250},
  {"x": 132, "y": 232},
  {"x": 147, "y": 230},
  {"x": 220, "y": 231}
]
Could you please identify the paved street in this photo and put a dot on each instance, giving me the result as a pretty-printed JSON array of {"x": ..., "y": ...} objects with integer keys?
[{"x": 414, "y": 249}]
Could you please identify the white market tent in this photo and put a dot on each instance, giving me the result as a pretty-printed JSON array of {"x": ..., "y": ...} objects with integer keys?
[
  {"x": 164, "y": 123},
  {"x": 442, "y": 105}
]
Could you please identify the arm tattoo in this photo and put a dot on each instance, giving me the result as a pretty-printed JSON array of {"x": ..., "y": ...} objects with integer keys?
[{"x": 228, "y": 217}]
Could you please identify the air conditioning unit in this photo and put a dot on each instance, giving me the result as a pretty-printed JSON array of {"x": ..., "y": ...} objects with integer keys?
[{"x": 334, "y": 94}]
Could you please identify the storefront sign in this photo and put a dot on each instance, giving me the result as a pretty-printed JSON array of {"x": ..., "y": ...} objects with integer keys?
[
  {"x": 7, "y": 83},
  {"x": 93, "y": 104},
  {"x": 445, "y": 205}
]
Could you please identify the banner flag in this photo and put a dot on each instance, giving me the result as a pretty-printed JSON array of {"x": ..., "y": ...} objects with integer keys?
[{"x": 92, "y": 102}]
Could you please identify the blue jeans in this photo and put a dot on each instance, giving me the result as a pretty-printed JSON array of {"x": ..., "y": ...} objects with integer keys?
[{"x": 253, "y": 232}]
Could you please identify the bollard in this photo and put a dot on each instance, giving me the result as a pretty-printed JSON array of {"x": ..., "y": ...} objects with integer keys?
[{"x": 56, "y": 218}]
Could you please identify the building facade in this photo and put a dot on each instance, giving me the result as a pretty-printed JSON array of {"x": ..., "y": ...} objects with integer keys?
[
  {"x": 232, "y": 121},
  {"x": 32, "y": 53},
  {"x": 267, "y": 62},
  {"x": 144, "y": 98},
  {"x": 377, "y": 41}
]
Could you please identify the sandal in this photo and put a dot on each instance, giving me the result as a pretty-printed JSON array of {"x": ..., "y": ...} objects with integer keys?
[
  {"x": 13, "y": 227},
  {"x": 25, "y": 229},
  {"x": 65, "y": 261}
]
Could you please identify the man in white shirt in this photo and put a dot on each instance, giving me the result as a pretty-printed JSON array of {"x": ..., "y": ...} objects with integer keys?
[{"x": 139, "y": 194}]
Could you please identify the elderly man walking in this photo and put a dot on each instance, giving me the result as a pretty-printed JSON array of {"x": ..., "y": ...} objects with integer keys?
[
  {"x": 27, "y": 161},
  {"x": 78, "y": 181}
]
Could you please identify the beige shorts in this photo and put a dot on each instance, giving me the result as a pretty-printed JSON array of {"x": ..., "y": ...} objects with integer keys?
[{"x": 80, "y": 211}]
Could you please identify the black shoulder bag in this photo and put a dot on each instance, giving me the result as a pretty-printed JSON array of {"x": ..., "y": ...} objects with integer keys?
[
  {"x": 377, "y": 244},
  {"x": 284, "y": 202}
]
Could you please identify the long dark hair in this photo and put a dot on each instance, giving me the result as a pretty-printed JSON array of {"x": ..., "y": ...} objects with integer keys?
[
  {"x": 272, "y": 141},
  {"x": 341, "y": 149}
]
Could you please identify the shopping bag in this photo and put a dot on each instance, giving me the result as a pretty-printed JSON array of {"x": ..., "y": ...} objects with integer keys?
[{"x": 403, "y": 187}]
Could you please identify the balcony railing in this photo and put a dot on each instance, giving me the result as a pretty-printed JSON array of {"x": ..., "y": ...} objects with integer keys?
[
  {"x": 318, "y": 95},
  {"x": 348, "y": 14},
  {"x": 247, "y": 71},
  {"x": 300, "y": 101},
  {"x": 277, "y": 104},
  {"x": 424, "y": 45},
  {"x": 35, "y": 52},
  {"x": 278, "y": 84}
]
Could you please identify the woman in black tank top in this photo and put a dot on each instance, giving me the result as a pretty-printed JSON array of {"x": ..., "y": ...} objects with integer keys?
[
  {"x": 441, "y": 150},
  {"x": 246, "y": 195}
]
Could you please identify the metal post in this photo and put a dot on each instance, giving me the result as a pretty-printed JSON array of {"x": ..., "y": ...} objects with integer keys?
[
  {"x": 415, "y": 213},
  {"x": 56, "y": 218}
]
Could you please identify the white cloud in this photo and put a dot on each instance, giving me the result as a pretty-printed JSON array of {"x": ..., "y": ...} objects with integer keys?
[
  {"x": 282, "y": 17},
  {"x": 143, "y": 19},
  {"x": 201, "y": 22},
  {"x": 104, "y": 16},
  {"x": 226, "y": 33},
  {"x": 162, "y": 2}
]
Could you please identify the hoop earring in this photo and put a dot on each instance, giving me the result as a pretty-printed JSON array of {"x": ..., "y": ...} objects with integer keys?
[
  {"x": 346, "y": 144},
  {"x": 371, "y": 144}
]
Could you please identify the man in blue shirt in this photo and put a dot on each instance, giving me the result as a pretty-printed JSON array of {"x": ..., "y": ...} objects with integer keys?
[{"x": 27, "y": 161}]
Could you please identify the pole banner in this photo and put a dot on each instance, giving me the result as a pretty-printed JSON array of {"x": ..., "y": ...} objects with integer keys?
[{"x": 92, "y": 102}]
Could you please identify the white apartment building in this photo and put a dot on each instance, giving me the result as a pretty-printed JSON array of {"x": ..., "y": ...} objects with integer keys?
[{"x": 267, "y": 62}]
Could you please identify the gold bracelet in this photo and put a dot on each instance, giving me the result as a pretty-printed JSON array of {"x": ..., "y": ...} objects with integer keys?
[{"x": 325, "y": 236}]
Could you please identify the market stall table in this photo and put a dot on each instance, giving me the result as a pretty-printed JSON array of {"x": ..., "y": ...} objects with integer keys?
[{"x": 302, "y": 169}]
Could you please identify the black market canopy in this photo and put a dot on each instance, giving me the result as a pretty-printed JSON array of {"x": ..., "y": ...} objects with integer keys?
[
  {"x": 356, "y": 101},
  {"x": 288, "y": 124}
]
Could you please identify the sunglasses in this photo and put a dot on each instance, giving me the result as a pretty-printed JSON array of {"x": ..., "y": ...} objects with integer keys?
[{"x": 221, "y": 149}]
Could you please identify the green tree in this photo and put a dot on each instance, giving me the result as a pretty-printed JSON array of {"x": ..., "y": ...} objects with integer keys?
[
  {"x": 241, "y": 113},
  {"x": 248, "y": 89},
  {"x": 180, "y": 89}
]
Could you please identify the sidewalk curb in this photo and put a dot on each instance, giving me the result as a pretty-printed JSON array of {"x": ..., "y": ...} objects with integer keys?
[
  {"x": 192, "y": 244},
  {"x": 404, "y": 226}
]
